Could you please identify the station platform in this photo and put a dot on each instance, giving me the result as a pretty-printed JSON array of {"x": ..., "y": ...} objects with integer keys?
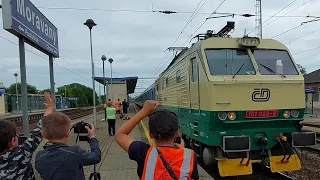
[{"x": 115, "y": 162}]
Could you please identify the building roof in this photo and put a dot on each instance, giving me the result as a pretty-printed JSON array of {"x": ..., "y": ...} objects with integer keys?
[
  {"x": 131, "y": 82},
  {"x": 313, "y": 77}
]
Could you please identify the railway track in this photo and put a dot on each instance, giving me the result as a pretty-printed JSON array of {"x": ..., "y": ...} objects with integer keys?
[{"x": 72, "y": 113}]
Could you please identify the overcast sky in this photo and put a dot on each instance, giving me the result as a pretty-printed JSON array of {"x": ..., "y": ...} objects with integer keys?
[{"x": 137, "y": 40}]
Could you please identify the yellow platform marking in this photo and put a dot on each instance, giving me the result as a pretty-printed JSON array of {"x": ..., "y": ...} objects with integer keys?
[
  {"x": 232, "y": 167},
  {"x": 146, "y": 132},
  {"x": 276, "y": 165},
  {"x": 145, "y": 129}
]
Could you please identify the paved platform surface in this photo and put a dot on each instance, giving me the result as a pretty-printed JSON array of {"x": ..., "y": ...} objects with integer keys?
[{"x": 115, "y": 163}]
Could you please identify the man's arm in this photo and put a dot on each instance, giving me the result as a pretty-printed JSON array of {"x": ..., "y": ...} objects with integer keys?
[
  {"x": 31, "y": 144},
  {"x": 92, "y": 157},
  {"x": 121, "y": 136}
]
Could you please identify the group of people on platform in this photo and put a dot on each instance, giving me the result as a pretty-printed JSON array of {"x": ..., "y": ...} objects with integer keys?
[{"x": 59, "y": 161}]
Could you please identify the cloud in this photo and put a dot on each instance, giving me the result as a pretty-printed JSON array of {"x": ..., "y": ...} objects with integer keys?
[{"x": 137, "y": 40}]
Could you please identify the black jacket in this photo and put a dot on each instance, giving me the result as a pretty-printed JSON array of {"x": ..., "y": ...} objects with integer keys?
[{"x": 59, "y": 161}]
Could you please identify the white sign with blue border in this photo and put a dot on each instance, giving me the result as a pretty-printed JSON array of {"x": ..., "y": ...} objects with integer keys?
[{"x": 22, "y": 18}]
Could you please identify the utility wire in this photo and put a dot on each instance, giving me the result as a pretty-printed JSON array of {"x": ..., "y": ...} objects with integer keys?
[
  {"x": 287, "y": 31},
  {"x": 198, "y": 28},
  {"x": 303, "y": 36},
  {"x": 274, "y": 15},
  {"x": 190, "y": 19},
  {"x": 288, "y": 13},
  {"x": 41, "y": 57},
  {"x": 306, "y": 50},
  {"x": 151, "y": 11}
]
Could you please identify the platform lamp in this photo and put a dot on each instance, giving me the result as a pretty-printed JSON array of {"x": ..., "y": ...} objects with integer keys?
[
  {"x": 17, "y": 100},
  {"x": 110, "y": 61},
  {"x": 90, "y": 23},
  {"x": 104, "y": 58}
]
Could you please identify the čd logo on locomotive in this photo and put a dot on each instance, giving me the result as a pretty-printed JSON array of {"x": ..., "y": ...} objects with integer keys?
[{"x": 261, "y": 95}]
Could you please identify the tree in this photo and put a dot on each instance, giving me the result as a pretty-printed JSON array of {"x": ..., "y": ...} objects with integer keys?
[
  {"x": 11, "y": 90},
  {"x": 30, "y": 89},
  {"x": 302, "y": 69},
  {"x": 45, "y": 90},
  {"x": 84, "y": 94}
]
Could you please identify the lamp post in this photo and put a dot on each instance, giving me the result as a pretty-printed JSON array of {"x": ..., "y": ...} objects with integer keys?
[
  {"x": 17, "y": 100},
  {"x": 110, "y": 61},
  {"x": 90, "y": 23},
  {"x": 104, "y": 58}
]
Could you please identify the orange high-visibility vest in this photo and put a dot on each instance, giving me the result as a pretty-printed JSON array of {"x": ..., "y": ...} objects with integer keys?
[
  {"x": 117, "y": 105},
  {"x": 181, "y": 161}
]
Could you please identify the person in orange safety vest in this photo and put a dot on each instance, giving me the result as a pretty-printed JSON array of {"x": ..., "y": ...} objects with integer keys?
[{"x": 167, "y": 159}]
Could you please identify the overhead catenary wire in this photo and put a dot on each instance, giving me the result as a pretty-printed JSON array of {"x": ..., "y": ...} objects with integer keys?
[
  {"x": 152, "y": 11},
  {"x": 287, "y": 13},
  {"x": 273, "y": 15},
  {"x": 306, "y": 50},
  {"x": 197, "y": 29},
  {"x": 190, "y": 19}
]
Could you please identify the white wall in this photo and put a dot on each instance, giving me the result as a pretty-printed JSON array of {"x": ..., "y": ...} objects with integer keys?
[{"x": 119, "y": 91}]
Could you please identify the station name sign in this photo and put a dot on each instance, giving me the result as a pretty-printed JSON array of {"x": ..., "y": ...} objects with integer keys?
[{"x": 22, "y": 18}]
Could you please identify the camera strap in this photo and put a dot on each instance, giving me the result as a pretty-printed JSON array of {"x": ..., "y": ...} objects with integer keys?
[{"x": 166, "y": 165}]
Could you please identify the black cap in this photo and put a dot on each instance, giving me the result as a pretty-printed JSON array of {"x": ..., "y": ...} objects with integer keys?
[{"x": 163, "y": 123}]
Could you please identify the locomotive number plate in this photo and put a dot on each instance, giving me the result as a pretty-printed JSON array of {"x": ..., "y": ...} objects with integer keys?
[{"x": 262, "y": 114}]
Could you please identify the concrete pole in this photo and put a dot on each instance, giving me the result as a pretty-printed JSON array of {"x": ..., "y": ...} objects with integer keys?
[
  {"x": 24, "y": 92},
  {"x": 52, "y": 90}
]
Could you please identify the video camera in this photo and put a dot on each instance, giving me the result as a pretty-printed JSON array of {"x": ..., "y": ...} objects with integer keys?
[{"x": 80, "y": 127}]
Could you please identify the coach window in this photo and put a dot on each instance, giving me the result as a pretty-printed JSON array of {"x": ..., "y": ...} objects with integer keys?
[
  {"x": 178, "y": 76},
  {"x": 194, "y": 70}
]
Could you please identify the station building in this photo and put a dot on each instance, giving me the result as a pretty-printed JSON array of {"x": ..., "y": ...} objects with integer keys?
[
  {"x": 312, "y": 81},
  {"x": 120, "y": 88}
]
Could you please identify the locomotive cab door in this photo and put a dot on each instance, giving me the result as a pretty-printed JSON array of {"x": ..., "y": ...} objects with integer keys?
[{"x": 194, "y": 85}]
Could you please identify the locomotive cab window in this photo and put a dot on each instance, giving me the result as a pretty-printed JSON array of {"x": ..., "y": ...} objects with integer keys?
[
  {"x": 272, "y": 62},
  {"x": 229, "y": 62}
]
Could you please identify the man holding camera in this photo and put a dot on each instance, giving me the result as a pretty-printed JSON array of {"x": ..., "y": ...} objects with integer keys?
[{"x": 59, "y": 160}]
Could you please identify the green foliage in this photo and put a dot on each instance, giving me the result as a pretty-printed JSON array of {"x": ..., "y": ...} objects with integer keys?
[
  {"x": 78, "y": 90},
  {"x": 30, "y": 88},
  {"x": 45, "y": 90}
]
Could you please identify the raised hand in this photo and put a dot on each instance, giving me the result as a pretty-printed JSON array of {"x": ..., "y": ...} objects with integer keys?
[
  {"x": 149, "y": 106},
  {"x": 49, "y": 103}
]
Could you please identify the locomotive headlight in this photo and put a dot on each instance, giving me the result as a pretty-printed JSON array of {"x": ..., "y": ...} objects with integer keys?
[
  {"x": 286, "y": 113},
  {"x": 222, "y": 116},
  {"x": 232, "y": 115},
  {"x": 294, "y": 113}
]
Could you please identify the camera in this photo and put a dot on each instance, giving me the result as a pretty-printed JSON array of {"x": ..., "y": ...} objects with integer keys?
[
  {"x": 178, "y": 140},
  {"x": 80, "y": 127},
  {"x": 21, "y": 138}
]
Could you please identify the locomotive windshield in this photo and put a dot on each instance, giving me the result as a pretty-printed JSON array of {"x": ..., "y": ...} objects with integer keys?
[
  {"x": 229, "y": 62},
  {"x": 271, "y": 61}
]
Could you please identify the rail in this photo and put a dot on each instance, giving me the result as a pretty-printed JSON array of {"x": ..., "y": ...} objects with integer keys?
[{"x": 72, "y": 113}]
